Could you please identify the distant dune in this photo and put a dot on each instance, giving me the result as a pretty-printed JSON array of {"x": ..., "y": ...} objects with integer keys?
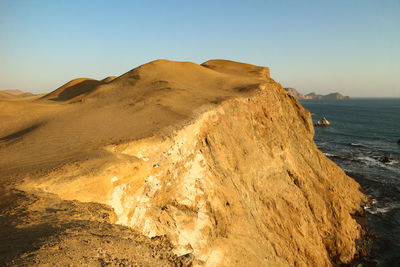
[
  {"x": 12, "y": 94},
  {"x": 171, "y": 164},
  {"x": 73, "y": 89},
  {"x": 76, "y": 89}
]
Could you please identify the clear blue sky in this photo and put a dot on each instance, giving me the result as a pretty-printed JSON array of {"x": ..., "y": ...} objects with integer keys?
[{"x": 322, "y": 46}]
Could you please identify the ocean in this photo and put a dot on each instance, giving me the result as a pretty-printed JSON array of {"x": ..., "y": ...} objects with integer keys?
[{"x": 362, "y": 140}]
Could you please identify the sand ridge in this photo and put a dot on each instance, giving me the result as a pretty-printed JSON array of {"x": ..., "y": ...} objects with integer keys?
[{"x": 85, "y": 114}]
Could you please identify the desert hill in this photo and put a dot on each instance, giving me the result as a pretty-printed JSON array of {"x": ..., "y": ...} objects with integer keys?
[
  {"x": 212, "y": 165},
  {"x": 73, "y": 89},
  {"x": 5, "y": 95},
  {"x": 76, "y": 89},
  {"x": 14, "y": 94},
  {"x": 136, "y": 105}
]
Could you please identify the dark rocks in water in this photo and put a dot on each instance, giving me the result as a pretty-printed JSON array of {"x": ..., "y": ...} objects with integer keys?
[
  {"x": 398, "y": 142},
  {"x": 385, "y": 159},
  {"x": 323, "y": 122}
]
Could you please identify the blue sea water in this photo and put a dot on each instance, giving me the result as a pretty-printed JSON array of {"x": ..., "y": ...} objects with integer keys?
[{"x": 362, "y": 140}]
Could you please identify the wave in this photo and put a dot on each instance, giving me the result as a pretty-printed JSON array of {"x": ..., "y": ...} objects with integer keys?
[
  {"x": 393, "y": 162},
  {"x": 357, "y": 144},
  {"x": 367, "y": 159},
  {"x": 373, "y": 209},
  {"x": 375, "y": 161},
  {"x": 378, "y": 210}
]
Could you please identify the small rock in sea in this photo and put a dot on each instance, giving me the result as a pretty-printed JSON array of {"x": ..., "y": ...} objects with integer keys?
[
  {"x": 385, "y": 159},
  {"x": 323, "y": 122},
  {"x": 398, "y": 142}
]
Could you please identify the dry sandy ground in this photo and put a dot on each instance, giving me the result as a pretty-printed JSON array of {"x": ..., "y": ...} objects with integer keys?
[
  {"x": 210, "y": 164},
  {"x": 43, "y": 229}
]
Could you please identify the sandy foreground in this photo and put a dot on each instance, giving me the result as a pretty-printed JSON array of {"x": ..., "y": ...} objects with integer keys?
[{"x": 172, "y": 163}]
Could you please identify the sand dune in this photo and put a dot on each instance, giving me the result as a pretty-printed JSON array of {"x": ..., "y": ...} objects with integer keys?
[
  {"x": 236, "y": 68},
  {"x": 5, "y": 95},
  {"x": 73, "y": 89},
  {"x": 108, "y": 79},
  {"x": 136, "y": 105},
  {"x": 14, "y": 94}
]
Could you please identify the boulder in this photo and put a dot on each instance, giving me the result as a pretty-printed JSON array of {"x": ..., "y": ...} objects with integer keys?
[
  {"x": 323, "y": 122},
  {"x": 385, "y": 159}
]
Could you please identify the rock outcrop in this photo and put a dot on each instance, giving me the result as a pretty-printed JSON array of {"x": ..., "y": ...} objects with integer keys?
[
  {"x": 322, "y": 122},
  {"x": 293, "y": 92},
  {"x": 216, "y": 158},
  {"x": 331, "y": 96}
]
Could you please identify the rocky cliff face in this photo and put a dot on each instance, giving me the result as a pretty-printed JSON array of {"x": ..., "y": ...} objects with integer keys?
[
  {"x": 225, "y": 168},
  {"x": 293, "y": 92}
]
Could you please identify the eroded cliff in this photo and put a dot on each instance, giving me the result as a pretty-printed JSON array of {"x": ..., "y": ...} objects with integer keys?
[{"x": 217, "y": 158}]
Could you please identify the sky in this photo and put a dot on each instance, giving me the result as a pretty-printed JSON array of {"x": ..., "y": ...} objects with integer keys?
[{"x": 348, "y": 46}]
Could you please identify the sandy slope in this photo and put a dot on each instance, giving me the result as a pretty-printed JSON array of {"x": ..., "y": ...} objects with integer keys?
[
  {"x": 133, "y": 106},
  {"x": 216, "y": 157}
]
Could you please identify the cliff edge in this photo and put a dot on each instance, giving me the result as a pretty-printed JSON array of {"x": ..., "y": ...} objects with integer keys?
[{"x": 215, "y": 160}]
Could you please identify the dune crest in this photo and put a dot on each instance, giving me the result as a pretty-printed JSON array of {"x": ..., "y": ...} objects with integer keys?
[
  {"x": 215, "y": 158},
  {"x": 73, "y": 89}
]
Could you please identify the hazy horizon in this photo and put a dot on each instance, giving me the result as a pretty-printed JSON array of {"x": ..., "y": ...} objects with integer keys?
[{"x": 351, "y": 47}]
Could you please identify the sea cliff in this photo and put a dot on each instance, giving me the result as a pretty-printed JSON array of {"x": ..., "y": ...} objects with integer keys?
[{"x": 210, "y": 165}]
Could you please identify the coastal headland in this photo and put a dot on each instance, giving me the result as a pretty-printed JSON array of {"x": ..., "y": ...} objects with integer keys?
[{"x": 171, "y": 164}]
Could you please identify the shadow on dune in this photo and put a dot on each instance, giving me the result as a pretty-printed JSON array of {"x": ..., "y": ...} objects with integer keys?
[
  {"x": 83, "y": 87},
  {"x": 26, "y": 225},
  {"x": 45, "y": 230},
  {"x": 20, "y": 133},
  {"x": 15, "y": 242},
  {"x": 14, "y": 239},
  {"x": 247, "y": 88}
]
